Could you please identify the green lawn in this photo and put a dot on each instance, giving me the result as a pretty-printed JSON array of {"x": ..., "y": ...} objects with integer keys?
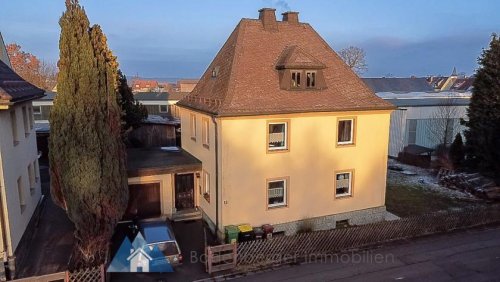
[{"x": 407, "y": 200}]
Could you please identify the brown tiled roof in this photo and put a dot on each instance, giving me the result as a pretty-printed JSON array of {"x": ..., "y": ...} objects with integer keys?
[
  {"x": 247, "y": 80},
  {"x": 144, "y": 84},
  {"x": 295, "y": 57},
  {"x": 14, "y": 89},
  {"x": 188, "y": 81}
]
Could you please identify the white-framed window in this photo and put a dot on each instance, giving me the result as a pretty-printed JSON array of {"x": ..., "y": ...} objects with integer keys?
[
  {"x": 277, "y": 136},
  {"x": 31, "y": 175},
  {"x": 343, "y": 184},
  {"x": 295, "y": 79},
  {"x": 22, "y": 203},
  {"x": 205, "y": 132},
  {"x": 277, "y": 193},
  {"x": 206, "y": 186},
  {"x": 37, "y": 170},
  {"x": 163, "y": 108},
  {"x": 37, "y": 110},
  {"x": 345, "y": 132},
  {"x": 25, "y": 121},
  {"x": 30, "y": 115},
  {"x": 13, "y": 124},
  {"x": 310, "y": 79},
  {"x": 193, "y": 126}
]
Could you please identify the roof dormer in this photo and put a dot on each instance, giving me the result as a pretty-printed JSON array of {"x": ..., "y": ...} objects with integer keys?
[{"x": 299, "y": 70}]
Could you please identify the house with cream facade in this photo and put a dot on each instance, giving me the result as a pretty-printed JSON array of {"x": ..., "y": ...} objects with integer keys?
[
  {"x": 285, "y": 132},
  {"x": 20, "y": 191}
]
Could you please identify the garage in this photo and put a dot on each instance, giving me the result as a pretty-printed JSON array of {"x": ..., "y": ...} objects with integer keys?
[
  {"x": 144, "y": 201},
  {"x": 155, "y": 176}
]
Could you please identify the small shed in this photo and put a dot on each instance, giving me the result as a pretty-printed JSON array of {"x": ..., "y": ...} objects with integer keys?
[{"x": 416, "y": 155}]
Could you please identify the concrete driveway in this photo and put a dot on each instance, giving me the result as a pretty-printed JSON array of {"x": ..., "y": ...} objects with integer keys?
[{"x": 52, "y": 242}]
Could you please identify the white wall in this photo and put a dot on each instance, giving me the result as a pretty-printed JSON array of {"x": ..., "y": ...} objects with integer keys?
[
  {"x": 399, "y": 134},
  {"x": 14, "y": 164}
]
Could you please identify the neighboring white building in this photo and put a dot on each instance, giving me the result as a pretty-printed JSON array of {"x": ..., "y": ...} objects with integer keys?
[
  {"x": 157, "y": 103},
  {"x": 421, "y": 112},
  {"x": 20, "y": 191},
  {"x": 420, "y": 121}
]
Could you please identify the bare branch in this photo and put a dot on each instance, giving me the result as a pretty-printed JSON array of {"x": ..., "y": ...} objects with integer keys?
[{"x": 354, "y": 57}]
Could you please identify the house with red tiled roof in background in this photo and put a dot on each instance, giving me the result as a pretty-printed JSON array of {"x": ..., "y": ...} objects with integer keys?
[
  {"x": 286, "y": 133},
  {"x": 141, "y": 85},
  {"x": 19, "y": 170},
  {"x": 454, "y": 82}
]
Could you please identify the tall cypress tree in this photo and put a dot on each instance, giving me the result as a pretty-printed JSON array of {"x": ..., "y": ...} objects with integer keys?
[
  {"x": 87, "y": 156},
  {"x": 483, "y": 133}
]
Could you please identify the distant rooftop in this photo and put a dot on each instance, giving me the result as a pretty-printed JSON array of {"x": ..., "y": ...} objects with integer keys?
[
  {"x": 398, "y": 85},
  {"x": 429, "y": 102},
  {"x": 159, "y": 96}
]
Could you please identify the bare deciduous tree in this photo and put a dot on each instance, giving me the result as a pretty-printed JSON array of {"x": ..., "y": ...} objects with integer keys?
[
  {"x": 443, "y": 123},
  {"x": 354, "y": 57}
]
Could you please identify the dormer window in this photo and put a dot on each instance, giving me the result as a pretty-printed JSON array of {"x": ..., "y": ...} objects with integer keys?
[
  {"x": 295, "y": 79},
  {"x": 215, "y": 72},
  {"x": 310, "y": 79},
  {"x": 299, "y": 70}
]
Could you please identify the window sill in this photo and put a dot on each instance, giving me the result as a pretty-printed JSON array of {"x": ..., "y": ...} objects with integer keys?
[
  {"x": 272, "y": 151},
  {"x": 206, "y": 146},
  {"x": 346, "y": 196},
  {"x": 346, "y": 144},
  {"x": 277, "y": 206},
  {"x": 206, "y": 196}
]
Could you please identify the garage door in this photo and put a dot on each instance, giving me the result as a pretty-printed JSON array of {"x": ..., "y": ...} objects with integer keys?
[{"x": 144, "y": 201}]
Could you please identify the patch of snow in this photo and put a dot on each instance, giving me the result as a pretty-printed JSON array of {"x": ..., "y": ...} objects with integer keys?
[{"x": 423, "y": 178}]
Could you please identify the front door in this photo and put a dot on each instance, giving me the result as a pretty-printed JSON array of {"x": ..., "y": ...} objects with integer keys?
[{"x": 184, "y": 191}]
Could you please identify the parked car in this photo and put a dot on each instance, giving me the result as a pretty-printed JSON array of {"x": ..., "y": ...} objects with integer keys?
[{"x": 160, "y": 234}]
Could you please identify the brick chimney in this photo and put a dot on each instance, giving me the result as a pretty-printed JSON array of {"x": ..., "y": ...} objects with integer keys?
[
  {"x": 291, "y": 17},
  {"x": 268, "y": 19}
]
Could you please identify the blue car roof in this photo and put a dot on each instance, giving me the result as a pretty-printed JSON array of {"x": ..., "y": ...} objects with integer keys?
[{"x": 155, "y": 232}]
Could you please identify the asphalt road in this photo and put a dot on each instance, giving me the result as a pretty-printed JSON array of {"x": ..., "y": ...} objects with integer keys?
[{"x": 472, "y": 255}]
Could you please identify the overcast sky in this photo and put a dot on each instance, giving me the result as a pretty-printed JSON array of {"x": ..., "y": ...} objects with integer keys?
[{"x": 179, "y": 38}]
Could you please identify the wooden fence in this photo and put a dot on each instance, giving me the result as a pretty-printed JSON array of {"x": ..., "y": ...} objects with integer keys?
[
  {"x": 60, "y": 276},
  {"x": 94, "y": 274},
  {"x": 222, "y": 257},
  {"x": 286, "y": 249}
]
